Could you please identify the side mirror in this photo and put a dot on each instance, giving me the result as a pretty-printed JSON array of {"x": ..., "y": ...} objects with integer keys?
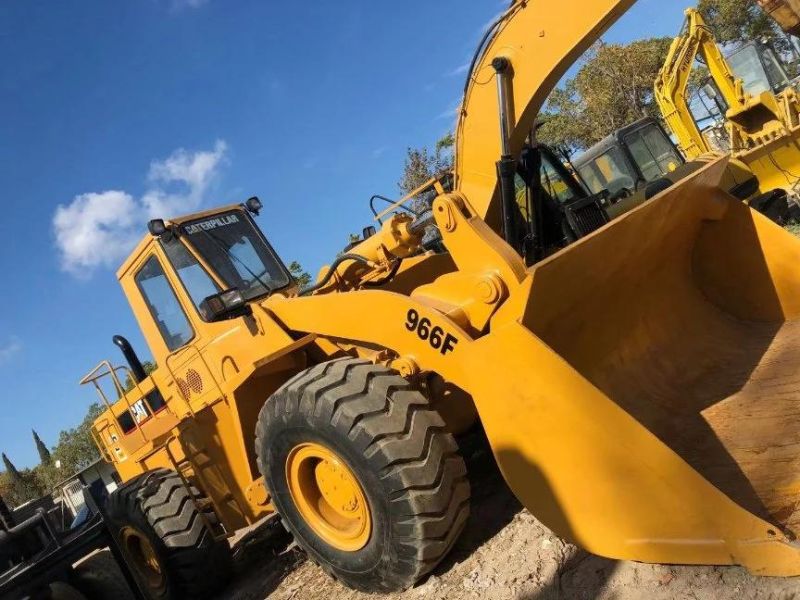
[{"x": 224, "y": 305}]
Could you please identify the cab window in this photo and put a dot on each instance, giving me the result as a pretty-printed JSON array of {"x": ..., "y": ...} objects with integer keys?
[
  {"x": 591, "y": 178},
  {"x": 653, "y": 153},
  {"x": 193, "y": 276},
  {"x": 554, "y": 184},
  {"x": 163, "y": 305},
  {"x": 611, "y": 171}
]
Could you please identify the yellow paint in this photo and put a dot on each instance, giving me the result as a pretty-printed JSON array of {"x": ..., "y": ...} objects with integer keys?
[
  {"x": 586, "y": 370},
  {"x": 786, "y": 14},
  {"x": 764, "y": 130},
  {"x": 328, "y": 496},
  {"x": 143, "y": 558}
]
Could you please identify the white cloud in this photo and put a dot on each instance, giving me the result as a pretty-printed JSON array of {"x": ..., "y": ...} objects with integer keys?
[
  {"x": 181, "y": 4},
  {"x": 98, "y": 229},
  {"x": 95, "y": 229},
  {"x": 459, "y": 70},
  {"x": 192, "y": 172},
  {"x": 9, "y": 348}
]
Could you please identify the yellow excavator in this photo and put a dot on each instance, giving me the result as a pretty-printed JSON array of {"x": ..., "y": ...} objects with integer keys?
[
  {"x": 636, "y": 378},
  {"x": 762, "y": 127}
]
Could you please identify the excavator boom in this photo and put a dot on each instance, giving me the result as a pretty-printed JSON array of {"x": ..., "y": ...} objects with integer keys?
[
  {"x": 672, "y": 83},
  {"x": 540, "y": 45}
]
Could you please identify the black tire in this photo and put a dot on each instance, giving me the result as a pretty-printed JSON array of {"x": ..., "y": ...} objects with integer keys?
[
  {"x": 395, "y": 444},
  {"x": 62, "y": 591},
  {"x": 156, "y": 505},
  {"x": 99, "y": 578}
]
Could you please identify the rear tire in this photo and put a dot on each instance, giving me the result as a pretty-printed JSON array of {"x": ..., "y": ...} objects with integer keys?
[
  {"x": 165, "y": 540},
  {"x": 393, "y": 444},
  {"x": 99, "y": 578}
]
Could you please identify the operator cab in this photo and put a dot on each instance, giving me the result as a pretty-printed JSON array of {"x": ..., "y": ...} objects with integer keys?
[
  {"x": 184, "y": 281},
  {"x": 222, "y": 260},
  {"x": 629, "y": 159},
  {"x": 759, "y": 68}
]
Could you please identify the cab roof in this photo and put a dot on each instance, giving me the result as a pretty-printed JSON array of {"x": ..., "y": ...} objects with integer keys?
[{"x": 144, "y": 244}]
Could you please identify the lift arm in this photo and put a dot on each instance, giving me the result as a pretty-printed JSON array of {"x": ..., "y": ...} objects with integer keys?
[
  {"x": 672, "y": 82},
  {"x": 539, "y": 41}
]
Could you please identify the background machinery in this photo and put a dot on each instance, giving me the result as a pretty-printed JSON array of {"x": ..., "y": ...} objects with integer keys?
[
  {"x": 762, "y": 114},
  {"x": 629, "y": 159},
  {"x": 786, "y": 14},
  {"x": 634, "y": 377},
  {"x": 39, "y": 561}
]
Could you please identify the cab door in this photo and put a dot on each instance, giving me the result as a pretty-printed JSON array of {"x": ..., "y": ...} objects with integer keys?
[{"x": 171, "y": 323}]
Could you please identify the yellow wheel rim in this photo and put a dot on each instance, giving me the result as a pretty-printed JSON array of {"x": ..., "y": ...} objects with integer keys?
[
  {"x": 328, "y": 496},
  {"x": 143, "y": 558}
]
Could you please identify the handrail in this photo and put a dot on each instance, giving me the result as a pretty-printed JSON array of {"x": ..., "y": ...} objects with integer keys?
[
  {"x": 97, "y": 374},
  {"x": 434, "y": 182}
]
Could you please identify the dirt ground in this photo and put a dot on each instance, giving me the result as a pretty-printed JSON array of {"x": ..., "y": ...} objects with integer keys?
[{"x": 504, "y": 553}]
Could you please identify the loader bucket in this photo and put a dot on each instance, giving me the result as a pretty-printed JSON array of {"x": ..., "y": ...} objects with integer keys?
[{"x": 645, "y": 392}]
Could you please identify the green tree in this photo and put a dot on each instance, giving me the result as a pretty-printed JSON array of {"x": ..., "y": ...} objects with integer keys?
[
  {"x": 76, "y": 448},
  {"x": 129, "y": 383},
  {"x": 738, "y": 21},
  {"x": 44, "y": 453},
  {"x": 12, "y": 471},
  {"x": 613, "y": 87},
  {"x": 23, "y": 485},
  {"x": 300, "y": 275},
  {"x": 422, "y": 164}
]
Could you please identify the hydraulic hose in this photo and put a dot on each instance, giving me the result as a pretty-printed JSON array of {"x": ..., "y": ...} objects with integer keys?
[
  {"x": 332, "y": 269},
  {"x": 389, "y": 276}
]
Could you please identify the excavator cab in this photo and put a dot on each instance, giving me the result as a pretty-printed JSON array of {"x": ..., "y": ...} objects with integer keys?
[{"x": 629, "y": 159}]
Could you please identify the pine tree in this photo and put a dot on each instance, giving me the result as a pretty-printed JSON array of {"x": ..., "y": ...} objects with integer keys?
[
  {"x": 44, "y": 453},
  {"x": 24, "y": 486},
  {"x": 12, "y": 471}
]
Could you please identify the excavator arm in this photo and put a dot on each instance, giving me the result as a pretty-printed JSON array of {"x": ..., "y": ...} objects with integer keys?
[
  {"x": 672, "y": 82},
  {"x": 539, "y": 44}
]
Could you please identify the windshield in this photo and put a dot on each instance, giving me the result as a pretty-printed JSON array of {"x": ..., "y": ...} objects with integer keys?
[
  {"x": 653, "y": 152},
  {"x": 747, "y": 67},
  {"x": 554, "y": 183},
  {"x": 235, "y": 249},
  {"x": 609, "y": 171}
]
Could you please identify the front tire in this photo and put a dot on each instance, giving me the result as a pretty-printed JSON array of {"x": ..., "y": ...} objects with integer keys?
[
  {"x": 363, "y": 473},
  {"x": 165, "y": 540}
]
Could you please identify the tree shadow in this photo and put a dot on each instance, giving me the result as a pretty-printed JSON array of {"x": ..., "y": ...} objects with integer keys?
[{"x": 579, "y": 575}]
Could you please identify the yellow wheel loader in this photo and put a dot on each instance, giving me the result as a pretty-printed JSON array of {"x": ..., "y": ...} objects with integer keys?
[{"x": 636, "y": 378}]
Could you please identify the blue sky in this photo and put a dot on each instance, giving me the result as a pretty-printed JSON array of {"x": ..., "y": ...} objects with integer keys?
[{"x": 115, "y": 110}]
